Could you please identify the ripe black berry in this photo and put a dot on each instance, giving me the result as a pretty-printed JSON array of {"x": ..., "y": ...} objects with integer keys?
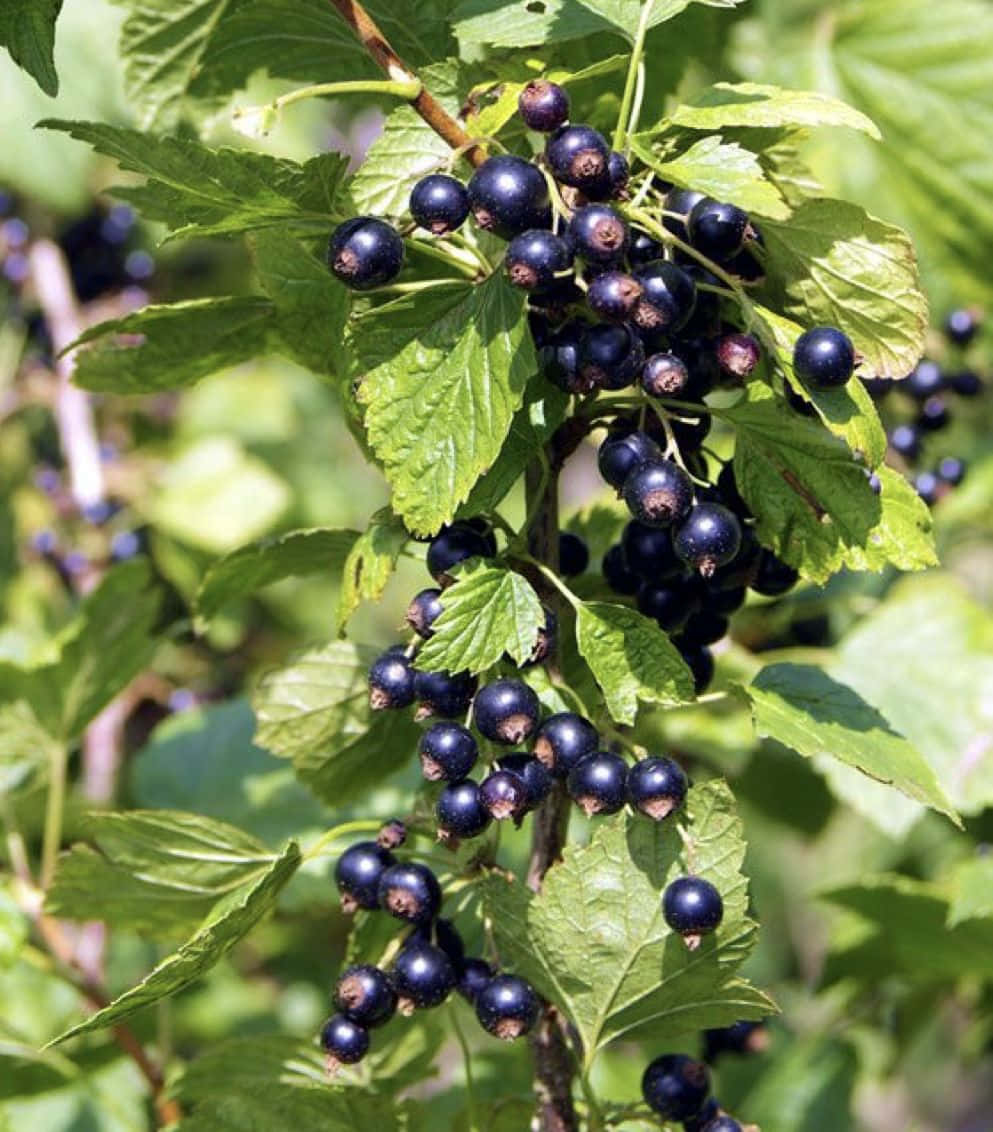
[
  {"x": 439, "y": 203},
  {"x": 444, "y": 693},
  {"x": 357, "y": 874},
  {"x": 578, "y": 156},
  {"x": 574, "y": 555},
  {"x": 611, "y": 357},
  {"x": 460, "y": 811},
  {"x": 506, "y": 711},
  {"x": 700, "y": 661},
  {"x": 345, "y": 1042},
  {"x": 598, "y": 783},
  {"x": 617, "y": 574},
  {"x": 391, "y": 681},
  {"x": 739, "y": 1038},
  {"x": 824, "y": 358},
  {"x": 533, "y": 773},
  {"x": 951, "y": 470},
  {"x": 642, "y": 249},
  {"x": 682, "y": 202},
  {"x": 562, "y": 740},
  {"x": 709, "y": 538},
  {"x": 621, "y": 453},
  {"x": 473, "y": 976},
  {"x": 483, "y": 528},
  {"x": 928, "y": 487},
  {"x": 724, "y": 602},
  {"x": 693, "y": 908},
  {"x": 705, "y": 627},
  {"x": 738, "y": 355},
  {"x": 658, "y": 493},
  {"x": 905, "y": 440},
  {"x": 742, "y": 569},
  {"x": 536, "y": 257},
  {"x": 668, "y": 604},
  {"x": 722, "y": 1123},
  {"x": 422, "y": 975},
  {"x": 675, "y": 1086},
  {"x": 774, "y": 577},
  {"x": 410, "y": 891},
  {"x": 664, "y": 375},
  {"x": 365, "y": 995},
  {"x": 649, "y": 552},
  {"x": 669, "y": 297},
  {"x": 503, "y": 794},
  {"x": 599, "y": 234},
  {"x": 613, "y": 296},
  {"x": 507, "y": 1007},
  {"x": 657, "y": 787},
  {"x": 934, "y": 415},
  {"x": 508, "y": 195},
  {"x": 966, "y": 383},
  {"x": 618, "y": 173},
  {"x": 447, "y": 750},
  {"x": 717, "y": 229},
  {"x": 423, "y": 611},
  {"x": 925, "y": 380},
  {"x": 452, "y": 545},
  {"x": 711, "y": 1109},
  {"x": 731, "y": 497},
  {"x": 961, "y": 326},
  {"x": 365, "y": 252},
  {"x": 559, "y": 358},
  {"x": 543, "y": 105}
]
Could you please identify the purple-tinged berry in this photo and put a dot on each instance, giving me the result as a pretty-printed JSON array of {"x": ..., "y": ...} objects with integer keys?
[
  {"x": 460, "y": 811},
  {"x": 358, "y": 872},
  {"x": 535, "y": 258},
  {"x": 709, "y": 538},
  {"x": 423, "y": 976},
  {"x": 365, "y": 995},
  {"x": 543, "y": 105},
  {"x": 578, "y": 156},
  {"x": 598, "y": 783},
  {"x": 410, "y": 891},
  {"x": 675, "y": 1086},
  {"x": 658, "y": 493},
  {"x": 391, "y": 681},
  {"x": 693, "y": 908},
  {"x": 507, "y": 1007},
  {"x": 345, "y": 1042},
  {"x": 365, "y": 252},
  {"x": 613, "y": 296},
  {"x": 824, "y": 358},
  {"x": 562, "y": 740},
  {"x": 657, "y": 787},
  {"x": 440, "y": 203},
  {"x": 447, "y": 750}
]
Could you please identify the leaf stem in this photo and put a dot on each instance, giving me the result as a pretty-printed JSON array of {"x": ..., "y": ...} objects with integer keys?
[
  {"x": 259, "y": 120},
  {"x": 336, "y": 833},
  {"x": 626, "y": 121},
  {"x": 470, "y": 1091},
  {"x": 435, "y": 251},
  {"x": 54, "y": 812}
]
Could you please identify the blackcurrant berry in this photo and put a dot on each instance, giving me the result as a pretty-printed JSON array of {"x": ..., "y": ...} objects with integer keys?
[
  {"x": 705, "y": 627},
  {"x": 345, "y": 1042},
  {"x": 422, "y": 975},
  {"x": 545, "y": 643},
  {"x": 824, "y": 358},
  {"x": 961, "y": 326},
  {"x": 774, "y": 577},
  {"x": 543, "y": 105},
  {"x": 709, "y": 538},
  {"x": 669, "y": 297},
  {"x": 599, "y": 234},
  {"x": 657, "y": 787},
  {"x": 934, "y": 415},
  {"x": 723, "y": 602},
  {"x": 473, "y": 975},
  {"x": 738, "y": 355},
  {"x": 444, "y": 693},
  {"x": 598, "y": 783},
  {"x": 659, "y": 493},
  {"x": 649, "y": 553},
  {"x": 365, "y": 252},
  {"x": 358, "y": 872},
  {"x": 621, "y": 453},
  {"x": 447, "y": 750},
  {"x": 439, "y": 203},
  {"x": 681, "y": 202},
  {"x": 613, "y": 296},
  {"x": 617, "y": 574},
  {"x": 423, "y": 611},
  {"x": 717, "y": 229},
  {"x": 722, "y": 1123},
  {"x": 692, "y": 907},
  {"x": 740, "y": 1038},
  {"x": 878, "y": 387},
  {"x": 410, "y": 891},
  {"x": 925, "y": 380},
  {"x": 460, "y": 811},
  {"x": 668, "y": 604},
  {"x": 642, "y": 248},
  {"x": 951, "y": 470},
  {"x": 447, "y": 937},
  {"x": 690, "y": 434},
  {"x": 700, "y": 357},
  {"x": 618, "y": 173},
  {"x": 578, "y": 156},
  {"x": 675, "y": 1086},
  {"x": 533, "y": 773},
  {"x": 507, "y": 1007},
  {"x": 536, "y": 257},
  {"x": 731, "y": 497},
  {"x": 506, "y": 711},
  {"x": 928, "y": 487},
  {"x": 559, "y": 358},
  {"x": 391, "y": 681},
  {"x": 743, "y": 568},
  {"x": 611, "y": 357},
  {"x": 574, "y": 555},
  {"x": 484, "y": 528},
  {"x": 664, "y": 375},
  {"x": 365, "y": 995},
  {"x": 700, "y": 661},
  {"x": 562, "y": 740},
  {"x": 503, "y": 794},
  {"x": 906, "y": 441},
  {"x": 508, "y": 195},
  {"x": 452, "y": 545},
  {"x": 966, "y": 383},
  {"x": 711, "y": 1109}
]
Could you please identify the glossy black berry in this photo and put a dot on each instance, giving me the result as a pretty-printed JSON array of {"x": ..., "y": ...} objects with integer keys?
[
  {"x": 878, "y": 387},
  {"x": 506, "y": 711},
  {"x": 905, "y": 440},
  {"x": 658, "y": 493},
  {"x": 344, "y": 1041},
  {"x": 453, "y": 545},
  {"x": 543, "y": 105},
  {"x": 613, "y": 296},
  {"x": 724, "y": 602},
  {"x": 365, "y": 995},
  {"x": 574, "y": 555},
  {"x": 692, "y": 907},
  {"x": 643, "y": 248},
  {"x": 618, "y": 173},
  {"x": 365, "y": 252},
  {"x": 508, "y": 195},
  {"x": 738, "y": 355},
  {"x": 617, "y": 574},
  {"x": 705, "y": 627},
  {"x": 507, "y": 1007},
  {"x": 700, "y": 661},
  {"x": 611, "y": 357},
  {"x": 928, "y": 487},
  {"x": 675, "y": 1086},
  {"x": 669, "y": 604},
  {"x": 742, "y": 569},
  {"x": 484, "y": 528},
  {"x": 460, "y": 811},
  {"x": 711, "y": 1109},
  {"x": 559, "y": 358},
  {"x": 422, "y": 975},
  {"x": 824, "y": 358},
  {"x": 562, "y": 740},
  {"x": 504, "y": 795},
  {"x": 657, "y": 787},
  {"x": 709, "y": 538},
  {"x": 664, "y": 375},
  {"x": 682, "y": 202},
  {"x": 669, "y": 297},
  {"x": 358, "y": 872},
  {"x": 578, "y": 156},
  {"x": 934, "y": 415},
  {"x": 951, "y": 470},
  {"x": 774, "y": 577},
  {"x": 447, "y": 750},
  {"x": 444, "y": 693},
  {"x": 967, "y": 383},
  {"x": 961, "y": 327},
  {"x": 925, "y": 380},
  {"x": 599, "y": 234},
  {"x": 391, "y": 681},
  {"x": 423, "y": 611},
  {"x": 473, "y": 975},
  {"x": 717, "y": 229},
  {"x": 439, "y": 203},
  {"x": 410, "y": 891},
  {"x": 739, "y": 1038},
  {"x": 532, "y": 772},
  {"x": 731, "y": 497},
  {"x": 536, "y": 257},
  {"x": 621, "y": 453},
  {"x": 546, "y": 642},
  {"x": 649, "y": 552},
  {"x": 598, "y": 783}
]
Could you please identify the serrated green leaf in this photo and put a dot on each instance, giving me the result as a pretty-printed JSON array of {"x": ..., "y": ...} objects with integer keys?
[
  {"x": 229, "y": 921},
  {"x": 833, "y": 264},
  {"x": 804, "y": 708},
  {"x": 26, "y": 748},
  {"x": 971, "y": 891},
  {"x": 443, "y": 374},
  {"x": 27, "y": 30},
  {"x": 489, "y": 611},
  {"x": 594, "y": 941},
  {"x": 251, "y": 568},
  {"x": 631, "y": 658},
  {"x": 370, "y": 563},
  {"x": 813, "y": 502}
]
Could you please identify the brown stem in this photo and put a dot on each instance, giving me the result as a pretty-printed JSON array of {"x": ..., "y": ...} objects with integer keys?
[{"x": 429, "y": 108}]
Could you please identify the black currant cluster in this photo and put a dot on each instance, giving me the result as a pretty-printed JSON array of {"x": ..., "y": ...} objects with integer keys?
[
  {"x": 430, "y": 963},
  {"x": 678, "y": 1088},
  {"x": 921, "y": 406}
]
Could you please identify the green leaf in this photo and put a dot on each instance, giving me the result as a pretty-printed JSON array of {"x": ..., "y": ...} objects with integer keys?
[
  {"x": 806, "y": 1086},
  {"x": 594, "y": 942},
  {"x": 154, "y": 871},
  {"x": 444, "y": 372},
  {"x": 972, "y": 891},
  {"x": 27, "y": 30},
  {"x": 370, "y": 563},
  {"x": 804, "y": 708},
  {"x": 26, "y": 748},
  {"x": 722, "y": 170},
  {"x": 488, "y": 612},
  {"x": 228, "y": 922},
  {"x": 833, "y": 264},
  {"x": 251, "y": 568},
  {"x": 813, "y": 502},
  {"x": 631, "y": 658},
  {"x": 316, "y": 712}
]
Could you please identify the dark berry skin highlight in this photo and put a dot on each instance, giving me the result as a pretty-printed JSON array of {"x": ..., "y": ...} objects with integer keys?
[
  {"x": 503, "y": 794},
  {"x": 620, "y": 454},
  {"x": 598, "y": 783},
  {"x": 507, "y": 1007},
  {"x": 473, "y": 976},
  {"x": 506, "y": 711},
  {"x": 410, "y": 892},
  {"x": 391, "y": 681},
  {"x": 611, "y": 356},
  {"x": 460, "y": 811},
  {"x": 578, "y": 156},
  {"x": 365, "y": 995},
  {"x": 675, "y": 1086},
  {"x": 658, "y": 492},
  {"x": 543, "y": 105},
  {"x": 717, "y": 229},
  {"x": 535, "y": 258},
  {"x": 439, "y": 203},
  {"x": 614, "y": 296},
  {"x": 709, "y": 538},
  {"x": 657, "y": 787},
  {"x": 423, "y": 976},
  {"x": 365, "y": 252},
  {"x": 599, "y": 234},
  {"x": 507, "y": 195},
  {"x": 693, "y": 908},
  {"x": 357, "y": 874},
  {"x": 443, "y": 693},
  {"x": 664, "y": 375},
  {"x": 447, "y": 750},
  {"x": 668, "y": 299},
  {"x": 532, "y": 772},
  {"x": 453, "y": 545},
  {"x": 562, "y": 740},
  {"x": 423, "y": 611},
  {"x": 345, "y": 1042},
  {"x": 824, "y": 358}
]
